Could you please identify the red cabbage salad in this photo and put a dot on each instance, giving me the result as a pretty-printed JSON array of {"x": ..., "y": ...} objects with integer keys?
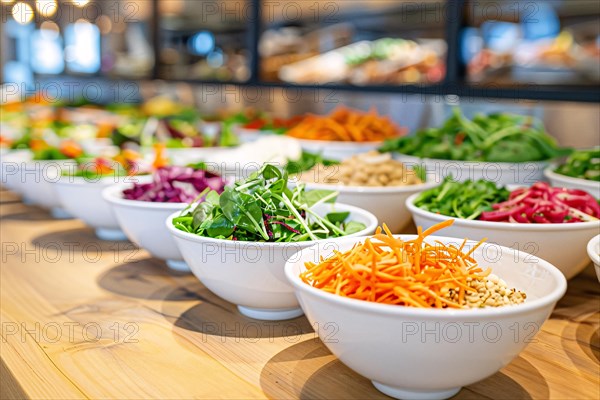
[
  {"x": 483, "y": 200},
  {"x": 175, "y": 184}
]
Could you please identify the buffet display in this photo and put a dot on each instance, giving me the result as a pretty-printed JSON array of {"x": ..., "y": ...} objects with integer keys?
[{"x": 327, "y": 226}]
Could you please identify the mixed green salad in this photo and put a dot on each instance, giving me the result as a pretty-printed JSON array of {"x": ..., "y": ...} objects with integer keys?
[
  {"x": 465, "y": 200},
  {"x": 175, "y": 131},
  {"x": 484, "y": 201},
  {"x": 498, "y": 137},
  {"x": 262, "y": 208},
  {"x": 582, "y": 164}
]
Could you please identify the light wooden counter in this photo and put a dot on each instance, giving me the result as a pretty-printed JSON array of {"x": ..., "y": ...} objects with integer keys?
[{"x": 82, "y": 318}]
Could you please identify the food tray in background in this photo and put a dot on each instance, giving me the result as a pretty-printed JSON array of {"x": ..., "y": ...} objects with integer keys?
[{"x": 344, "y": 65}]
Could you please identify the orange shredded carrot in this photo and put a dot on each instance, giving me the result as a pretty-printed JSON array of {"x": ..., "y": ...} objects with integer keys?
[
  {"x": 71, "y": 149},
  {"x": 160, "y": 158},
  {"x": 386, "y": 269},
  {"x": 346, "y": 125}
]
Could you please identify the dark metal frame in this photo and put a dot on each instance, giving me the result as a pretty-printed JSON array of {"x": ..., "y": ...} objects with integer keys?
[{"x": 454, "y": 83}]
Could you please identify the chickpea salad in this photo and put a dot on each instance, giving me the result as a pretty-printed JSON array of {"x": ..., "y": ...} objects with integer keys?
[{"x": 372, "y": 169}]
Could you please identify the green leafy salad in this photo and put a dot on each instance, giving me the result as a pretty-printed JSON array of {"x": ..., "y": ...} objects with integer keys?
[
  {"x": 462, "y": 199},
  {"x": 492, "y": 138},
  {"x": 262, "y": 208},
  {"x": 582, "y": 164}
]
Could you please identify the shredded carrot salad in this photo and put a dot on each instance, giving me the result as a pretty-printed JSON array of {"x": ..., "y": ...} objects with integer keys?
[
  {"x": 348, "y": 125},
  {"x": 389, "y": 270}
]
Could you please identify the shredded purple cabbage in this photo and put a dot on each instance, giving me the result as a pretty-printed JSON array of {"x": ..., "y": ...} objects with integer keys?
[{"x": 175, "y": 184}]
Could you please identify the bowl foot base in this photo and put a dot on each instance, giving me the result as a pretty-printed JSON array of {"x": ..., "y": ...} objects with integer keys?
[
  {"x": 59, "y": 213},
  {"x": 398, "y": 393},
  {"x": 178, "y": 265},
  {"x": 271, "y": 314},
  {"x": 110, "y": 234}
]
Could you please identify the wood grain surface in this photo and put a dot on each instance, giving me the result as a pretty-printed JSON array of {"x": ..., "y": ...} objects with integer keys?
[{"x": 83, "y": 318}]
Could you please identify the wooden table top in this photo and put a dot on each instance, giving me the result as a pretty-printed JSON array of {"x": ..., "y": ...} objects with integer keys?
[{"x": 83, "y": 318}]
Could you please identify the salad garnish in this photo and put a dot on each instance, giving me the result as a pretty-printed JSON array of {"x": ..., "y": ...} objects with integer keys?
[
  {"x": 262, "y": 208},
  {"x": 386, "y": 269}
]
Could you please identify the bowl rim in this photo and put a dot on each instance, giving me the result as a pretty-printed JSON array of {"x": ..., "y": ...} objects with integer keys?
[
  {"x": 503, "y": 226},
  {"x": 113, "y": 195},
  {"x": 370, "y": 189},
  {"x": 503, "y": 164},
  {"x": 371, "y": 226},
  {"x": 551, "y": 174},
  {"x": 340, "y": 143},
  {"x": 25, "y": 157},
  {"x": 393, "y": 310},
  {"x": 70, "y": 180},
  {"x": 593, "y": 249}
]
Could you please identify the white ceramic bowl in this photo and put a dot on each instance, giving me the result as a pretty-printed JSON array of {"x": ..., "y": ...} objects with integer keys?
[
  {"x": 562, "y": 245},
  {"x": 99, "y": 146},
  {"x": 83, "y": 199},
  {"x": 523, "y": 173},
  {"x": 10, "y": 163},
  {"x": 337, "y": 150},
  {"x": 35, "y": 180},
  {"x": 240, "y": 162},
  {"x": 558, "y": 180},
  {"x": 250, "y": 274},
  {"x": 187, "y": 155},
  {"x": 246, "y": 135},
  {"x": 143, "y": 222},
  {"x": 593, "y": 250},
  {"x": 412, "y": 353},
  {"x": 386, "y": 203}
]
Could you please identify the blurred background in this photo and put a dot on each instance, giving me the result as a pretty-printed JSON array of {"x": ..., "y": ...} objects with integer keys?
[{"x": 411, "y": 60}]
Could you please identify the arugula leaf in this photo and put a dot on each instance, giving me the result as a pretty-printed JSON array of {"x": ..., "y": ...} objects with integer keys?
[
  {"x": 220, "y": 226},
  {"x": 201, "y": 213},
  {"x": 270, "y": 171},
  {"x": 242, "y": 209},
  {"x": 353, "y": 227},
  {"x": 313, "y": 197},
  {"x": 337, "y": 216}
]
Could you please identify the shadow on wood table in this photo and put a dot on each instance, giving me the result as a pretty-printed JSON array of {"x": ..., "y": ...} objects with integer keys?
[
  {"x": 82, "y": 240},
  {"x": 216, "y": 317},
  {"x": 27, "y": 213},
  {"x": 150, "y": 279},
  {"x": 310, "y": 371}
]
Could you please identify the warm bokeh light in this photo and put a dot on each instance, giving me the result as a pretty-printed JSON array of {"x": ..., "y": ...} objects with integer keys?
[
  {"x": 171, "y": 7},
  {"x": 7, "y": 1},
  {"x": 81, "y": 3},
  {"x": 50, "y": 30},
  {"x": 46, "y": 8},
  {"x": 104, "y": 24},
  {"x": 22, "y": 13}
]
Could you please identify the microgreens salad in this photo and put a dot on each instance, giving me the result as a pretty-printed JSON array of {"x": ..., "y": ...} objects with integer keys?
[
  {"x": 484, "y": 201},
  {"x": 262, "y": 208}
]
